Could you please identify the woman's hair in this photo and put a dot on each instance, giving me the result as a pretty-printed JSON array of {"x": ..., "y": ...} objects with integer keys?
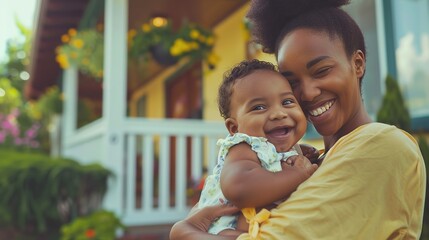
[
  {"x": 230, "y": 77},
  {"x": 272, "y": 20}
]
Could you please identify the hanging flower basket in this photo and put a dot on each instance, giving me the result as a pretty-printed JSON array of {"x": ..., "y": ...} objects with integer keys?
[
  {"x": 167, "y": 46},
  {"x": 162, "y": 55},
  {"x": 83, "y": 49}
]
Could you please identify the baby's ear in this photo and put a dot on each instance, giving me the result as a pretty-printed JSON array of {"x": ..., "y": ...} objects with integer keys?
[{"x": 231, "y": 125}]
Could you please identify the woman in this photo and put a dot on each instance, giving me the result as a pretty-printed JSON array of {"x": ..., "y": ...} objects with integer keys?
[{"x": 371, "y": 183}]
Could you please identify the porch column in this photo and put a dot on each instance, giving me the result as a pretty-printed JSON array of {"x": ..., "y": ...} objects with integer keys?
[
  {"x": 69, "y": 104},
  {"x": 114, "y": 98}
]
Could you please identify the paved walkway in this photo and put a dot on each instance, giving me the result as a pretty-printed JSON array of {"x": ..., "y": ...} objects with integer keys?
[{"x": 157, "y": 232}]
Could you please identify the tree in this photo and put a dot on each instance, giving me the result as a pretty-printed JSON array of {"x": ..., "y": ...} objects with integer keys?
[
  {"x": 19, "y": 126},
  {"x": 10, "y": 97},
  {"x": 15, "y": 68},
  {"x": 424, "y": 148},
  {"x": 393, "y": 109}
]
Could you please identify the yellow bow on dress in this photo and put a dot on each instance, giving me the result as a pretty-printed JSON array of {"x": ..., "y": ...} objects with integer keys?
[{"x": 255, "y": 220}]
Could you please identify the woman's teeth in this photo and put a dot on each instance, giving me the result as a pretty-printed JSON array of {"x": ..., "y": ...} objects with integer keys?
[{"x": 316, "y": 112}]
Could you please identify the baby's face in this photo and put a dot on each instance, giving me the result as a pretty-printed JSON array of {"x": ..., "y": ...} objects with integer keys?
[{"x": 263, "y": 105}]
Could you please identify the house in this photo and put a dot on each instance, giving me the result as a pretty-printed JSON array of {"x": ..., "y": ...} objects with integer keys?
[{"x": 157, "y": 126}]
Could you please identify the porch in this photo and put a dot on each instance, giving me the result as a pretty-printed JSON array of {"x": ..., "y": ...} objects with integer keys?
[{"x": 155, "y": 163}]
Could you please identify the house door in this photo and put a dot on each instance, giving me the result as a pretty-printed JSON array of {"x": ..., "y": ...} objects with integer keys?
[
  {"x": 184, "y": 96},
  {"x": 184, "y": 100}
]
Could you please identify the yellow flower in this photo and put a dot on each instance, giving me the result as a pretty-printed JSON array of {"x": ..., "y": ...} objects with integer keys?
[
  {"x": 179, "y": 46},
  {"x": 194, "y": 45},
  {"x": 212, "y": 59},
  {"x": 132, "y": 33},
  {"x": 210, "y": 41},
  {"x": 34, "y": 111},
  {"x": 73, "y": 55},
  {"x": 194, "y": 34},
  {"x": 100, "y": 73},
  {"x": 146, "y": 27},
  {"x": 202, "y": 39},
  {"x": 72, "y": 32},
  {"x": 65, "y": 38},
  {"x": 85, "y": 61},
  {"x": 63, "y": 61},
  {"x": 77, "y": 43}
]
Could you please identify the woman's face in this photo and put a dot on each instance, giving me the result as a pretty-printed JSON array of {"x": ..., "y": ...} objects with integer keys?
[{"x": 324, "y": 80}]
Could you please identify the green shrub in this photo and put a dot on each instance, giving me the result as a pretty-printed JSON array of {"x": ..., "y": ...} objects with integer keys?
[
  {"x": 40, "y": 193},
  {"x": 424, "y": 148},
  {"x": 100, "y": 225},
  {"x": 393, "y": 109}
]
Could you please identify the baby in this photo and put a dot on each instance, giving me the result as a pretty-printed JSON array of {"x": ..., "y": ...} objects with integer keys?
[{"x": 259, "y": 162}]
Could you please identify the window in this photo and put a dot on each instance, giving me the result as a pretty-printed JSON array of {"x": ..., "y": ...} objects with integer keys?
[{"x": 410, "y": 35}]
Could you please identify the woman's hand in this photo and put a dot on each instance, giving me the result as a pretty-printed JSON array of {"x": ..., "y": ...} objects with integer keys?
[
  {"x": 301, "y": 163},
  {"x": 310, "y": 152},
  {"x": 197, "y": 223}
]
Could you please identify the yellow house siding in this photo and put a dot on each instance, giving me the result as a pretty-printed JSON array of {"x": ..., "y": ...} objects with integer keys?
[
  {"x": 230, "y": 46},
  {"x": 154, "y": 92}
]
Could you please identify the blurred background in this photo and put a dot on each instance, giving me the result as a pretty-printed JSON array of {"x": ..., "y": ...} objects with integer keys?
[{"x": 108, "y": 113}]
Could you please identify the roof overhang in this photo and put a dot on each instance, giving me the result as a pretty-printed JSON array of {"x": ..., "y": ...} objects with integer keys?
[{"x": 55, "y": 17}]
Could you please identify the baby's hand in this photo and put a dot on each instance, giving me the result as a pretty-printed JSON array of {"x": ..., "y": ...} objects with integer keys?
[{"x": 302, "y": 163}]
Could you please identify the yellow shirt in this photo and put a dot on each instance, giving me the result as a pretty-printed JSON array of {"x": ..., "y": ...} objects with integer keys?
[{"x": 371, "y": 185}]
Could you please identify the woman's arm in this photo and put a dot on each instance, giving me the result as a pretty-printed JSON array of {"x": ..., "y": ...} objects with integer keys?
[
  {"x": 246, "y": 184},
  {"x": 195, "y": 226}
]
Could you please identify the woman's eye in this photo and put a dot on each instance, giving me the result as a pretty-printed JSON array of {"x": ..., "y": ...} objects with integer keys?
[{"x": 323, "y": 71}]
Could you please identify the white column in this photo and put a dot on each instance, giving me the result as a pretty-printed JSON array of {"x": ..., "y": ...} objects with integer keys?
[
  {"x": 381, "y": 37},
  {"x": 114, "y": 98},
  {"x": 70, "y": 103}
]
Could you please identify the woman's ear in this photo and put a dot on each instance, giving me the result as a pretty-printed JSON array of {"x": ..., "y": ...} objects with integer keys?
[
  {"x": 359, "y": 63},
  {"x": 231, "y": 125}
]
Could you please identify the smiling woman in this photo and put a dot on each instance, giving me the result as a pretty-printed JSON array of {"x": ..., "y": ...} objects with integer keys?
[{"x": 321, "y": 50}]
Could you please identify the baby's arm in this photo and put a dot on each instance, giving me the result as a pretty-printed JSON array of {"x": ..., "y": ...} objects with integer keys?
[{"x": 246, "y": 184}]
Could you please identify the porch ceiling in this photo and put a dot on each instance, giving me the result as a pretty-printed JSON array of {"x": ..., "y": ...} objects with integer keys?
[{"x": 55, "y": 17}]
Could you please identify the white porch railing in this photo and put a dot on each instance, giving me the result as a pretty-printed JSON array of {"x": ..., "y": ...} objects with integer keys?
[
  {"x": 153, "y": 160},
  {"x": 172, "y": 154},
  {"x": 161, "y": 158}
]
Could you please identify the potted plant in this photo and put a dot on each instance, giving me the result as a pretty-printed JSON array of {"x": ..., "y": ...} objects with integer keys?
[
  {"x": 100, "y": 225},
  {"x": 167, "y": 46},
  {"x": 196, "y": 42},
  {"x": 84, "y": 49},
  {"x": 151, "y": 41}
]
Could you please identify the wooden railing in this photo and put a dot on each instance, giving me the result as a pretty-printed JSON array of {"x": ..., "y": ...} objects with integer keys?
[
  {"x": 160, "y": 160},
  {"x": 163, "y": 160}
]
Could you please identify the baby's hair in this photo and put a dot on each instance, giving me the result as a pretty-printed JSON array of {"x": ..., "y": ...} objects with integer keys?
[
  {"x": 272, "y": 20},
  {"x": 230, "y": 77}
]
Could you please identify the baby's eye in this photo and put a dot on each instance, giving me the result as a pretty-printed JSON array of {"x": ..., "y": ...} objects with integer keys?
[
  {"x": 258, "y": 108},
  {"x": 287, "y": 102}
]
